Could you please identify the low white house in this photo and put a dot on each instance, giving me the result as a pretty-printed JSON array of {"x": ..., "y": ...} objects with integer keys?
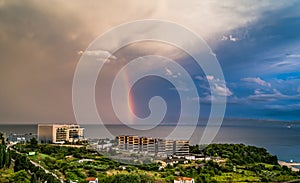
[
  {"x": 104, "y": 146},
  {"x": 84, "y": 160},
  {"x": 184, "y": 180}
]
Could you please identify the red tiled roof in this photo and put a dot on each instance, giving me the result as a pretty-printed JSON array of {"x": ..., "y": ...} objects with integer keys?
[
  {"x": 184, "y": 178},
  {"x": 90, "y": 179}
]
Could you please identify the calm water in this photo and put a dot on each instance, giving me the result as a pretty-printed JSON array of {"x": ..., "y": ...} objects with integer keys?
[{"x": 277, "y": 137}]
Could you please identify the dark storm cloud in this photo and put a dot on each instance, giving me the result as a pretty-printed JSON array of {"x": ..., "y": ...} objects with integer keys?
[
  {"x": 260, "y": 43},
  {"x": 262, "y": 61}
]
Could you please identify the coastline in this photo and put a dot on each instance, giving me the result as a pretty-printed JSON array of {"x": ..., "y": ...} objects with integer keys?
[{"x": 289, "y": 165}]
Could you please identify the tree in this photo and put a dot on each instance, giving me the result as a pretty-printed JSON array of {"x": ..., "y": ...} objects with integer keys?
[
  {"x": 33, "y": 142},
  {"x": 92, "y": 173},
  {"x": 7, "y": 158},
  {"x": 146, "y": 178},
  {"x": 125, "y": 178},
  {"x": 33, "y": 178},
  {"x": 49, "y": 178},
  {"x": 20, "y": 176},
  {"x": 21, "y": 163},
  {"x": 2, "y": 158}
]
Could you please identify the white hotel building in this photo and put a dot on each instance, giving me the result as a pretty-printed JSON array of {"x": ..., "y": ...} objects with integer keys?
[{"x": 59, "y": 133}]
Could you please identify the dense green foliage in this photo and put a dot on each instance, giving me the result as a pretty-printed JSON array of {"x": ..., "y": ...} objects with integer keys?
[
  {"x": 33, "y": 178},
  {"x": 23, "y": 170},
  {"x": 123, "y": 178},
  {"x": 20, "y": 176},
  {"x": 22, "y": 163},
  {"x": 240, "y": 163},
  {"x": 5, "y": 155},
  {"x": 243, "y": 163},
  {"x": 240, "y": 154}
]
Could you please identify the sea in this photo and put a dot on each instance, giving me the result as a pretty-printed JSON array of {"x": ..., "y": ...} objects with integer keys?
[{"x": 279, "y": 138}]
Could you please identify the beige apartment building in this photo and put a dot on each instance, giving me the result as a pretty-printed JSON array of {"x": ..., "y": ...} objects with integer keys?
[
  {"x": 151, "y": 145},
  {"x": 169, "y": 147},
  {"x": 181, "y": 147},
  {"x": 59, "y": 133},
  {"x": 122, "y": 142},
  {"x": 148, "y": 145},
  {"x": 133, "y": 143}
]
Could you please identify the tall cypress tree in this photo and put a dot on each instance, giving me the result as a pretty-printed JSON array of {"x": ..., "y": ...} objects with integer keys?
[
  {"x": 4, "y": 156},
  {"x": 7, "y": 158},
  {"x": 2, "y": 153}
]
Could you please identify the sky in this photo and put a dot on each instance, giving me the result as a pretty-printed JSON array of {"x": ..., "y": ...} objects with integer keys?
[{"x": 257, "y": 44}]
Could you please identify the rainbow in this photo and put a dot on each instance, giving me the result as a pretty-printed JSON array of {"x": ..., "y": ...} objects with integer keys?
[{"x": 130, "y": 99}]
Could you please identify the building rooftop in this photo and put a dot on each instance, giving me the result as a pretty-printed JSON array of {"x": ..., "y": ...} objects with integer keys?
[
  {"x": 91, "y": 179},
  {"x": 183, "y": 178}
]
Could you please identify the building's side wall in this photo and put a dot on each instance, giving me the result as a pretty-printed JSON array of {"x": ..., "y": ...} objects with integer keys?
[{"x": 45, "y": 133}]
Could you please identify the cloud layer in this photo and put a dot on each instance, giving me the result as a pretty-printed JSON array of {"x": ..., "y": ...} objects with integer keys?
[{"x": 41, "y": 42}]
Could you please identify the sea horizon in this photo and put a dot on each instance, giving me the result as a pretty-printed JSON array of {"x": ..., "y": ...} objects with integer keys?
[
  {"x": 226, "y": 119},
  {"x": 278, "y": 138}
]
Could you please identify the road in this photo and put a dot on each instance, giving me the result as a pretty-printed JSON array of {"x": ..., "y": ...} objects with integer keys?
[{"x": 47, "y": 171}]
